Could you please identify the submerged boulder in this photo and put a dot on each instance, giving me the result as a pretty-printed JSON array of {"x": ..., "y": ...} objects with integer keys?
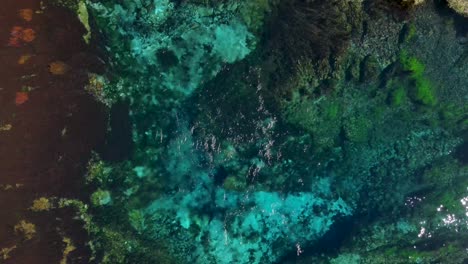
[{"x": 460, "y": 6}]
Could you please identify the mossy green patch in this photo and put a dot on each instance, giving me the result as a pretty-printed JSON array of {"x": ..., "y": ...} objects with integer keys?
[
  {"x": 454, "y": 116},
  {"x": 100, "y": 198},
  {"x": 321, "y": 118},
  {"x": 332, "y": 110},
  {"x": 121, "y": 247},
  {"x": 137, "y": 220},
  {"x": 398, "y": 96},
  {"x": 411, "y": 32},
  {"x": 357, "y": 129},
  {"x": 98, "y": 171},
  {"x": 411, "y": 255},
  {"x": 451, "y": 201},
  {"x": 423, "y": 91},
  {"x": 83, "y": 16},
  {"x": 234, "y": 184},
  {"x": 253, "y": 13},
  {"x": 408, "y": 32},
  {"x": 449, "y": 250}
]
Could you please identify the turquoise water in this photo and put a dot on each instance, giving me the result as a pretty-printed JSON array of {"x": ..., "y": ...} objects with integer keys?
[{"x": 274, "y": 131}]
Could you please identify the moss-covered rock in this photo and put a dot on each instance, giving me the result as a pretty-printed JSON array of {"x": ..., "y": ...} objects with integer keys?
[
  {"x": 100, "y": 198},
  {"x": 357, "y": 129},
  {"x": 232, "y": 183},
  {"x": 320, "y": 117},
  {"x": 460, "y": 6},
  {"x": 254, "y": 13}
]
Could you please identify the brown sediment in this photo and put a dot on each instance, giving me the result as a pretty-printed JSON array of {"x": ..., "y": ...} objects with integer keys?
[
  {"x": 58, "y": 68},
  {"x": 38, "y": 160},
  {"x": 26, "y": 14}
]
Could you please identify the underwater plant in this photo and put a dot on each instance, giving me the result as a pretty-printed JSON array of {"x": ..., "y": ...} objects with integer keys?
[
  {"x": 312, "y": 29},
  {"x": 398, "y": 8},
  {"x": 423, "y": 91},
  {"x": 398, "y": 96}
]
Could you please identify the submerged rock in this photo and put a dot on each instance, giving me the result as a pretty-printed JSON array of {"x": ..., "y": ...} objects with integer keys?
[{"x": 460, "y": 6}]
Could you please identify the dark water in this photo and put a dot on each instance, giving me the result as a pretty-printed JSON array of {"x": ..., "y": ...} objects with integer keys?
[{"x": 47, "y": 139}]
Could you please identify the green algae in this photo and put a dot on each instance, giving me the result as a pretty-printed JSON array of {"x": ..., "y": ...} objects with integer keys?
[
  {"x": 398, "y": 96},
  {"x": 357, "y": 129},
  {"x": 423, "y": 91}
]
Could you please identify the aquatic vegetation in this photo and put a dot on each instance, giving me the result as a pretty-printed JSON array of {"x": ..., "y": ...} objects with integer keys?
[
  {"x": 27, "y": 229},
  {"x": 69, "y": 247},
  {"x": 41, "y": 204},
  {"x": 424, "y": 91},
  {"x": 313, "y": 29},
  {"x": 398, "y": 96},
  {"x": 412, "y": 64},
  {"x": 97, "y": 88},
  {"x": 346, "y": 258},
  {"x": 97, "y": 171},
  {"x": 120, "y": 247},
  {"x": 400, "y": 8},
  {"x": 454, "y": 116},
  {"x": 109, "y": 245},
  {"x": 370, "y": 69},
  {"x": 408, "y": 32},
  {"x": 253, "y": 13},
  {"x": 5, "y": 252},
  {"x": 320, "y": 118},
  {"x": 101, "y": 197},
  {"x": 83, "y": 16},
  {"x": 137, "y": 220},
  {"x": 357, "y": 129},
  {"x": 232, "y": 183},
  {"x": 332, "y": 110}
]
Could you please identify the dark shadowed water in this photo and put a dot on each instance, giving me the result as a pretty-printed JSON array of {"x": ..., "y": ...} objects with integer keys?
[{"x": 46, "y": 139}]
